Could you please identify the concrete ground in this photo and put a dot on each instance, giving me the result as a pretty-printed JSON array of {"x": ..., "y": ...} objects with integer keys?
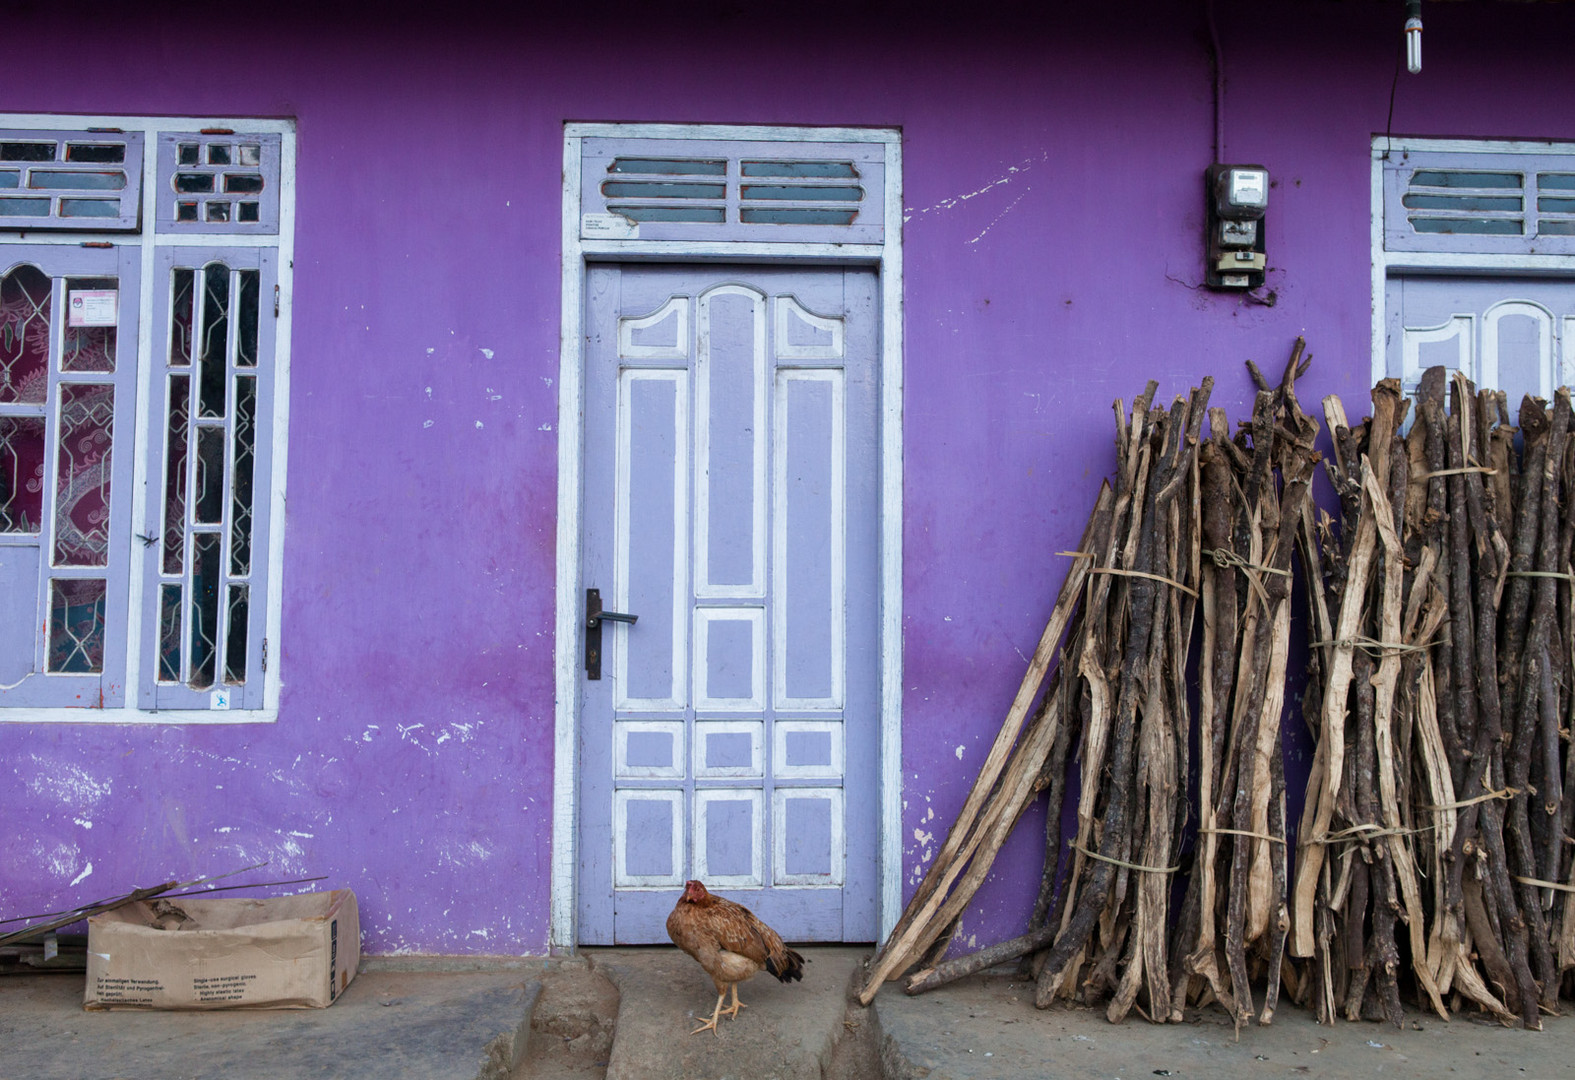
[
  {"x": 986, "y": 1028},
  {"x": 626, "y": 1014},
  {"x": 385, "y": 1026}
]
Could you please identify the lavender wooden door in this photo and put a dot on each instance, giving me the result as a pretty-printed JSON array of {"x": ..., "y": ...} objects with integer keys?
[
  {"x": 731, "y": 504},
  {"x": 1510, "y": 334}
]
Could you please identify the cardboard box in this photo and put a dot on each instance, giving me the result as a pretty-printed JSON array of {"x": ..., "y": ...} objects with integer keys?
[{"x": 287, "y": 952}]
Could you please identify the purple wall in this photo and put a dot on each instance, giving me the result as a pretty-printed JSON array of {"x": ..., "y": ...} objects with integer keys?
[{"x": 1052, "y": 171}]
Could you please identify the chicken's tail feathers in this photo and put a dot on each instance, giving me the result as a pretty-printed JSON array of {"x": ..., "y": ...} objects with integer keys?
[{"x": 786, "y": 964}]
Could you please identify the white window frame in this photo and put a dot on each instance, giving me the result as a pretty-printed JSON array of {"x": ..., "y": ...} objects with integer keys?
[
  {"x": 1387, "y": 264},
  {"x": 886, "y": 258},
  {"x": 151, "y": 240}
]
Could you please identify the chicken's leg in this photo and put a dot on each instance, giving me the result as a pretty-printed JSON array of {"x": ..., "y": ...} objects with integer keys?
[
  {"x": 711, "y": 1023},
  {"x": 732, "y": 1010}
]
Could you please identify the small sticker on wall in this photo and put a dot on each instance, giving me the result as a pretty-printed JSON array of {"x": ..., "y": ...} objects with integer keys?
[
  {"x": 219, "y": 699},
  {"x": 92, "y": 307},
  {"x": 608, "y": 227}
]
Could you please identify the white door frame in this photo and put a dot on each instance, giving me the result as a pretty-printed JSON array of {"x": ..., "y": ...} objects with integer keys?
[{"x": 886, "y": 257}]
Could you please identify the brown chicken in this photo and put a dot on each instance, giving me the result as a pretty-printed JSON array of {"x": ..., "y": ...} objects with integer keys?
[{"x": 730, "y": 943}]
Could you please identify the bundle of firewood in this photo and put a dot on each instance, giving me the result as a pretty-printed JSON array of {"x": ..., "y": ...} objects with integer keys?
[
  {"x": 1120, "y": 694},
  {"x": 1440, "y": 795},
  {"x": 1255, "y": 507}
]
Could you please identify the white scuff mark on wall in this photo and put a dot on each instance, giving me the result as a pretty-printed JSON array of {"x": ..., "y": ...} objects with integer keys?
[
  {"x": 478, "y": 423},
  {"x": 487, "y": 353},
  {"x": 959, "y": 753},
  {"x": 61, "y": 861},
  {"x": 1012, "y": 173},
  {"x": 997, "y": 219},
  {"x": 366, "y": 736},
  {"x": 426, "y": 423},
  {"x": 84, "y": 822},
  {"x": 429, "y": 389},
  {"x": 430, "y": 351},
  {"x": 226, "y": 829},
  {"x": 86, "y": 870},
  {"x": 66, "y": 783},
  {"x": 545, "y": 427},
  {"x": 923, "y": 837},
  {"x": 303, "y": 835}
]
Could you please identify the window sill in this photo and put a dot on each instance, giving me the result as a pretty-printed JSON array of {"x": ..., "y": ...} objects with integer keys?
[{"x": 138, "y": 716}]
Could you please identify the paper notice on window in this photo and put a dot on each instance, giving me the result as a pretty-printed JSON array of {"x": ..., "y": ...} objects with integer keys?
[
  {"x": 608, "y": 227},
  {"x": 92, "y": 307}
]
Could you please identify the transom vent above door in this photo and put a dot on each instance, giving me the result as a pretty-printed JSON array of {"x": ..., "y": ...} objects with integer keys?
[
  {"x": 682, "y": 189},
  {"x": 1475, "y": 201}
]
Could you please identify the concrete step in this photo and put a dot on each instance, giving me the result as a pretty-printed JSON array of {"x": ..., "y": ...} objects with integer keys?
[
  {"x": 388, "y": 1025},
  {"x": 789, "y": 1031}
]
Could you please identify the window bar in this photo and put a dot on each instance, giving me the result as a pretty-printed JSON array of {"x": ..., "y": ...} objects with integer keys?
[{"x": 210, "y": 455}]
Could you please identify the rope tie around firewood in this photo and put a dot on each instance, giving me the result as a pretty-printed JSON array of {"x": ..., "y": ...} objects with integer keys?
[
  {"x": 1225, "y": 557},
  {"x": 1364, "y": 832},
  {"x": 1483, "y": 469},
  {"x": 1122, "y": 862},
  {"x": 1374, "y": 648},
  {"x": 1129, "y": 573},
  {"x": 1502, "y": 793},
  {"x": 1244, "y": 832},
  {"x": 1540, "y": 573}
]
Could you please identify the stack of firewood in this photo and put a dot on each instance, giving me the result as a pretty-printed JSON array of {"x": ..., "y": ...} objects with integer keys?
[
  {"x": 1434, "y": 853},
  {"x": 1439, "y": 794}
]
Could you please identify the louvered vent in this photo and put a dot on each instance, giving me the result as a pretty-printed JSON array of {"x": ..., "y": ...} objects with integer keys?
[
  {"x": 70, "y": 180},
  {"x": 671, "y": 189},
  {"x": 1513, "y": 203},
  {"x": 1458, "y": 201}
]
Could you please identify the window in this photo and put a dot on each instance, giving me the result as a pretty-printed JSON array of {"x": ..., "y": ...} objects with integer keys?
[
  {"x": 1475, "y": 249},
  {"x": 142, "y": 376}
]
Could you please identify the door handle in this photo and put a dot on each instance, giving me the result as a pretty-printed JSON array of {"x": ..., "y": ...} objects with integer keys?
[{"x": 594, "y": 617}]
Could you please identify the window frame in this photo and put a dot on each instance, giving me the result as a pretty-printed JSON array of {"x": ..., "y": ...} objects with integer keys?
[{"x": 150, "y": 246}]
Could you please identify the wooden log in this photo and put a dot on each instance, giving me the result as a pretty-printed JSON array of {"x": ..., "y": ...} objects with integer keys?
[
  {"x": 1310, "y": 845},
  {"x": 1117, "y": 820},
  {"x": 899, "y": 949},
  {"x": 961, "y": 967}
]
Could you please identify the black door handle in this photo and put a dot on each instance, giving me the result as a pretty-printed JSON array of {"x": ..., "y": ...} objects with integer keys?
[{"x": 594, "y": 617}]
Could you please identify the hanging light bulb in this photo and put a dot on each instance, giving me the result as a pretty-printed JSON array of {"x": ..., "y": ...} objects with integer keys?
[{"x": 1413, "y": 36}]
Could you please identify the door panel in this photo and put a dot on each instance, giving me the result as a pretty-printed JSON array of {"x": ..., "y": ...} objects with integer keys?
[
  {"x": 731, "y": 504},
  {"x": 1506, "y": 333}
]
